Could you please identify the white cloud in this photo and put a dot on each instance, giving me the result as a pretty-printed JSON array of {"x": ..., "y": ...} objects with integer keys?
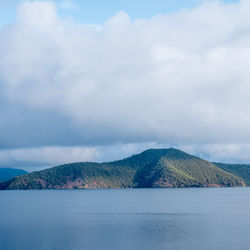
[
  {"x": 67, "y": 5},
  {"x": 35, "y": 158},
  {"x": 42, "y": 157},
  {"x": 182, "y": 78},
  {"x": 225, "y": 153},
  {"x": 32, "y": 159}
]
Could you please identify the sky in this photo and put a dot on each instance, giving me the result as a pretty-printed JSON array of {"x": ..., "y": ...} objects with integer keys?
[
  {"x": 99, "y": 11},
  {"x": 101, "y": 80}
]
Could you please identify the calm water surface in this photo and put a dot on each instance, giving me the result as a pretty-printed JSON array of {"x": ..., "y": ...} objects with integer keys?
[{"x": 138, "y": 219}]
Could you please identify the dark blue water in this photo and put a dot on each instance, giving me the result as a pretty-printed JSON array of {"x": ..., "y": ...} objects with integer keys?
[{"x": 149, "y": 219}]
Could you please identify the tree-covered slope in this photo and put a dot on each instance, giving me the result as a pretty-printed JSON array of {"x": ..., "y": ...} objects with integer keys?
[
  {"x": 151, "y": 168},
  {"x": 7, "y": 173},
  {"x": 178, "y": 169},
  {"x": 241, "y": 170},
  {"x": 75, "y": 175}
]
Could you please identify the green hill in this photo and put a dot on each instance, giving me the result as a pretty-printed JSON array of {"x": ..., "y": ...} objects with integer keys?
[
  {"x": 7, "y": 173},
  {"x": 241, "y": 170},
  {"x": 154, "y": 168}
]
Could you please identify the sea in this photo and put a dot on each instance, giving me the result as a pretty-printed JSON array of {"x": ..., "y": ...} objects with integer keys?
[{"x": 126, "y": 219}]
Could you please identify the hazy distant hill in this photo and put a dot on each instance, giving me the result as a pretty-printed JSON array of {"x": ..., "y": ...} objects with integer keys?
[
  {"x": 7, "y": 173},
  {"x": 154, "y": 168}
]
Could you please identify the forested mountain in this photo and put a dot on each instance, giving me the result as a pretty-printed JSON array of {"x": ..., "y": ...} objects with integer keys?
[{"x": 154, "y": 168}]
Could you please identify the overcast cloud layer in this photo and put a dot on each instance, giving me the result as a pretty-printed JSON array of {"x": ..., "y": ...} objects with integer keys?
[{"x": 182, "y": 79}]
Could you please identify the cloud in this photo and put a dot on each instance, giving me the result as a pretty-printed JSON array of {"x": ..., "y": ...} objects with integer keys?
[
  {"x": 43, "y": 157},
  {"x": 32, "y": 159},
  {"x": 225, "y": 153},
  {"x": 38, "y": 158},
  {"x": 180, "y": 79},
  {"x": 68, "y": 5}
]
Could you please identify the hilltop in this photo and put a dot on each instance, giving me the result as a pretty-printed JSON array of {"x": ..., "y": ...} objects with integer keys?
[{"x": 153, "y": 168}]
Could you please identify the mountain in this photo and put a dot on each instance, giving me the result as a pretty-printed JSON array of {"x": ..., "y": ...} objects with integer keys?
[
  {"x": 241, "y": 170},
  {"x": 7, "y": 173},
  {"x": 154, "y": 168}
]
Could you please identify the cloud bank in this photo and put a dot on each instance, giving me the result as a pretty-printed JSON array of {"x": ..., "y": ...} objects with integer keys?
[{"x": 180, "y": 79}]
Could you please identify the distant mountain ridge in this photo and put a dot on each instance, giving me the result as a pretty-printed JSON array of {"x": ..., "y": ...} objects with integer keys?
[
  {"x": 153, "y": 168},
  {"x": 7, "y": 173}
]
